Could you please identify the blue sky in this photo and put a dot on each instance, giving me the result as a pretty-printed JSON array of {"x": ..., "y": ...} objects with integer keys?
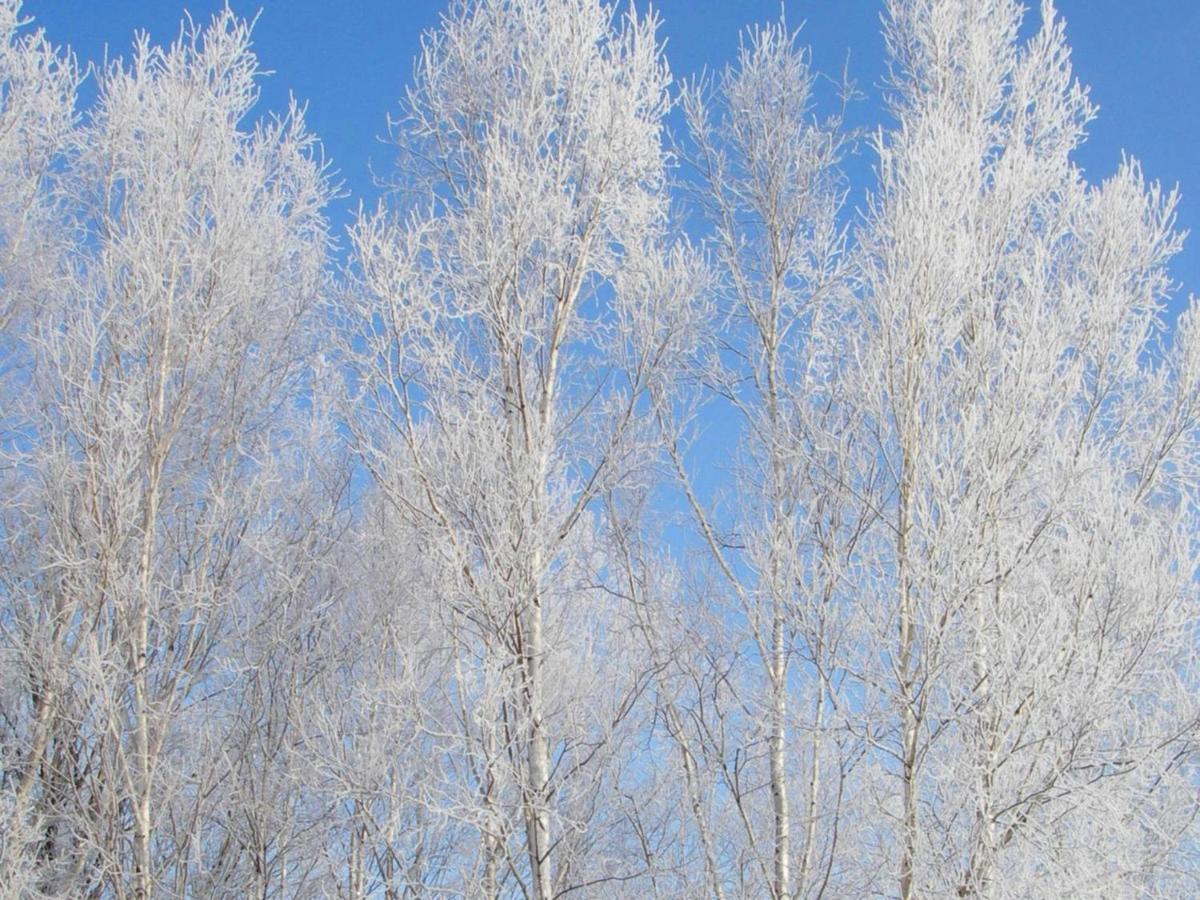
[{"x": 350, "y": 61}]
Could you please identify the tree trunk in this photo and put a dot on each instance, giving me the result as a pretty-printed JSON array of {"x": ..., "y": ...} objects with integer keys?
[
  {"x": 907, "y": 700},
  {"x": 814, "y": 790},
  {"x": 491, "y": 837},
  {"x": 143, "y": 776},
  {"x": 781, "y": 889},
  {"x": 537, "y": 815}
]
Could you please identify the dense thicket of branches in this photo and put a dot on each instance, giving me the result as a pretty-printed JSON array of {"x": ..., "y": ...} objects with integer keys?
[{"x": 409, "y": 574}]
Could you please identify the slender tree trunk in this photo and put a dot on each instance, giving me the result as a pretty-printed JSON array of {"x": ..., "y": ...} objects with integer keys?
[
  {"x": 358, "y": 834},
  {"x": 907, "y": 700},
  {"x": 693, "y": 786},
  {"x": 491, "y": 839},
  {"x": 490, "y": 867},
  {"x": 143, "y": 776},
  {"x": 781, "y": 889},
  {"x": 978, "y": 876},
  {"x": 814, "y": 789},
  {"x": 157, "y": 448},
  {"x": 43, "y": 703},
  {"x": 530, "y": 653},
  {"x": 782, "y": 874},
  {"x": 538, "y": 811}
]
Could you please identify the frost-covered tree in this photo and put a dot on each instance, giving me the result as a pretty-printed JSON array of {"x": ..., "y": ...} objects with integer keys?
[
  {"x": 520, "y": 307},
  {"x": 37, "y": 95},
  {"x": 769, "y": 188},
  {"x": 37, "y": 114},
  {"x": 142, "y": 478},
  {"x": 1030, "y": 593}
]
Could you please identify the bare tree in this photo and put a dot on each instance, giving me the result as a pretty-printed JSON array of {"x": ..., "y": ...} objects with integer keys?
[
  {"x": 145, "y": 467},
  {"x": 518, "y": 314},
  {"x": 769, "y": 188},
  {"x": 37, "y": 94},
  {"x": 37, "y": 118},
  {"x": 1031, "y": 577}
]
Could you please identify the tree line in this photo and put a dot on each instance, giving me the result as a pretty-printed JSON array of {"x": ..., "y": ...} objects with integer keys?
[{"x": 413, "y": 573}]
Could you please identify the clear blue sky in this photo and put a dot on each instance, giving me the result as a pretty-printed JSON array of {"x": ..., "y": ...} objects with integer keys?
[{"x": 350, "y": 60}]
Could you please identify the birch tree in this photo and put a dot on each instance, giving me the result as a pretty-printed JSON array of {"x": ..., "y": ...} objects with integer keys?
[
  {"x": 37, "y": 95},
  {"x": 1032, "y": 584},
  {"x": 520, "y": 309},
  {"x": 769, "y": 187},
  {"x": 37, "y": 119},
  {"x": 144, "y": 472}
]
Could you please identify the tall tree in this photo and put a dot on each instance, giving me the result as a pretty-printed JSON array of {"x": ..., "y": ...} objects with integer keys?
[
  {"x": 771, "y": 193},
  {"x": 37, "y": 119},
  {"x": 37, "y": 97},
  {"x": 518, "y": 312},
  {"x": 1032, "y": 584},
  {"x": 144, "y": 470}
]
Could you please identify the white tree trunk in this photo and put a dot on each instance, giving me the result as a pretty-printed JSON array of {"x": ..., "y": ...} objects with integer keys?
[
  {"x": 537, "y": 812},
  {"x": 783, "y": 825}
]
